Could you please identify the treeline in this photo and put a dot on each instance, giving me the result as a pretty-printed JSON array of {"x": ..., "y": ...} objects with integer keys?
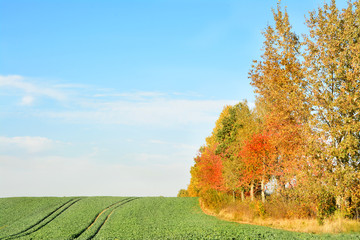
[{"x": 301, "y": 142}]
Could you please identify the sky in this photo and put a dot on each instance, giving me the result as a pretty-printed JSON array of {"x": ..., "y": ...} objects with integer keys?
[{"x": 114, "y": 98}]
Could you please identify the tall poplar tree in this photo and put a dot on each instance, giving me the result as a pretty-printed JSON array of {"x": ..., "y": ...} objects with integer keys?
[
  {"x": 279, "y": 84},
  {"x": 332, "y": 60}
]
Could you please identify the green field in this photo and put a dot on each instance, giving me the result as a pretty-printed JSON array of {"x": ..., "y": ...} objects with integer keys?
[{"x": 125, "y": 218}]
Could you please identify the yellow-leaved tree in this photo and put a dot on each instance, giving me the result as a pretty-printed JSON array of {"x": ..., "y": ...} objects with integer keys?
[
  {"x": 280, "y": 87},
  {"x": 332, "y": 62}
]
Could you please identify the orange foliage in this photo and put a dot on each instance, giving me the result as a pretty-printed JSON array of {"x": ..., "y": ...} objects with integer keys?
[
  {"x": 257, "y": 157},
  {"x": 210, "y": 169}
]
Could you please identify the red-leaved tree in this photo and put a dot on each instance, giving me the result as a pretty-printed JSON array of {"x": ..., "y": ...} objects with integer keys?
[
  {"x": 210, "y": 169},
  {"x": 257, "y": 155}
]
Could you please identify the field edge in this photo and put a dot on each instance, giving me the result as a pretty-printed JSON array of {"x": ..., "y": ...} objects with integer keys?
[{"x": 330, "y": 226}]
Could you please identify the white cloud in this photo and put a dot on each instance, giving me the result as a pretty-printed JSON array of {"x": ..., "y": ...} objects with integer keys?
[
  {"x": 52, "y": 174},
  {"x": 155, "y": 141},
  {"x": 37, "y": 166},
  {"x": 146, "y": 158},
  {"x": 71, "y": 86},
  {"x": 27, "y": 100},
  {"x": 60, "y": 176},
  {"x": 29, "y": 144},
  {"x": 140, "y": 95},
  {"x": 128, "y": 108},
  {"x": 159, "y": 112},
  {"x": 30, "y": 89},
  {"x": 181, "y": 146}
]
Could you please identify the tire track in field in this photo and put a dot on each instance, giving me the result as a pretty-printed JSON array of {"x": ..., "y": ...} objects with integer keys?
[
  {"x": 40, "y": 221},
  {"x": 103, "y": 223},
  {"x": 93, "y": 229},
  {"x": 96, "y": 218},
  {"x": 44, "y": 221}
]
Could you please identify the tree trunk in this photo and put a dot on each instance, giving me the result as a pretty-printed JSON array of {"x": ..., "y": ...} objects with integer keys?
[
  {"x": 242, "y": 196},
  {"x": 252, "y": 191},
  {"x": 263, "y": 190},
  {"x": 338, "y": 202},
  {"x": 234, "y": 197}
]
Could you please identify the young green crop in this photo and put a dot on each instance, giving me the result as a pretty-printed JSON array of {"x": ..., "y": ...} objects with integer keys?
[
  {"x": 182, "y": 218},
  {"x": 126, "y": 218},
  {"x": 17, "y": 215},
  {"x": 75, "y": 220}
]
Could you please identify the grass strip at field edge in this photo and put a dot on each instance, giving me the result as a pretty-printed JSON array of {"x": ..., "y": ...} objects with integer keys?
[
  {"x": 44, "y": 221},
  {"x": 110, "y": 209}
]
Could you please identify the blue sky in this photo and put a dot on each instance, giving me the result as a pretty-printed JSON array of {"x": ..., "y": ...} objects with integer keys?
[{"x": 116, "y": 97}]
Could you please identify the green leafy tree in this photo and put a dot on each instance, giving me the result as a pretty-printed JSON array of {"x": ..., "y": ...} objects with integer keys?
[{"x": 237, "y": 126}]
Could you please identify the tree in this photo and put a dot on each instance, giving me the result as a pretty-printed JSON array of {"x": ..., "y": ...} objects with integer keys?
[
  {"x": 279, "y": 84},
  {"x": 183, "y": 193},
  {"x": 194, "y": 186},
  {"x": 258, "y": 160},
  {"x": 306, "y": 125},
  {"x": 210, "y": 169},
  {"x": 332, "y": 60},
  {"x": 212, "y": 139},
  {"x": 235, "y": 128}
]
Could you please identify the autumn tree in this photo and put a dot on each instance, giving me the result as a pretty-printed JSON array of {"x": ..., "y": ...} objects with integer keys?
[
  {"x": 332, "y": 60},
  {"x": 212, "y": 139},
  {"x": 195, "y": 185},
  {"x": 256, "y": 155},
  {"x": 237, "y": 126},
  {"x": 305, "y": 128},
  {"x": 209, "y": 169},
  {"x": 279, "y": 84}
]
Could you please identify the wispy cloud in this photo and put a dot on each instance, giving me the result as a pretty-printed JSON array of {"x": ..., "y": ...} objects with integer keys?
[
  {"x": 26, "y": 143},
  {"x": 27, "y": 100},
  {"x": 139, "y": 95},
  {"x": 30, "y": 90},
  {"x": 160, "y": 112},
  {"x": 175, "y": 145},
  {"x": 92, "y": 169},
  {"x": 106, "y": 106}
]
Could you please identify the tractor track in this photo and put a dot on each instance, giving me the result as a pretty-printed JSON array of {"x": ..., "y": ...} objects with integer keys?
[
  {"x": 107, "y": 212},
  {"x": 44, "y": 221}
]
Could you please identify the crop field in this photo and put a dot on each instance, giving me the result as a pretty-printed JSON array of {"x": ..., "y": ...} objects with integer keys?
[{"x": 126, "y": 218}]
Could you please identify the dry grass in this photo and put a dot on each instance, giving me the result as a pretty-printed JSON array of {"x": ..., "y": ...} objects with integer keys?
[
  {"x": 243, "y": 214},
  {"x": 311, "y": 225}
]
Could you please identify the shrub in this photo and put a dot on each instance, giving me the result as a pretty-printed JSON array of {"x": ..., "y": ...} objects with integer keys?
[
  {"x": 283, "y": 207},
  {"x": 326, "y": 206},
  {"x": 183, "y": 193},
  {"x": 215, "y": 200}
]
